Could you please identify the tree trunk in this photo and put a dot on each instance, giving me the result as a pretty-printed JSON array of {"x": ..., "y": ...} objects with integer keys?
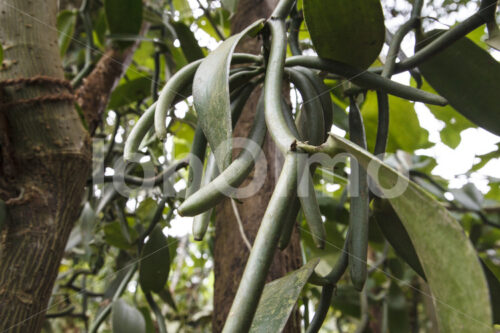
[
  {"x": 45, "y": 162},
  {"x": 230, "y": 251}
]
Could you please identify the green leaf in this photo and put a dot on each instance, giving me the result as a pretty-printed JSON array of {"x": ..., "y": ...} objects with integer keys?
[
  {"x": 448, "y": 258},
  {"x": 155, "y": 262},
  {"x": 351, "y": 32},
  {"x": 146, "y": 312},
  {"x": 494, "y": 286},
  {"x": 66, "y": 22},
  {"x": 405, "y": 132},
  {"x": 130, "y": 92},
  {"x": 126, "y": 318},
  {"x": 398, "y": 316},
  {"x": 114, "y": 235},
  {"x": 485, "y": 158},
  {"x": 346, "y": 300},
  {"x": 279, "y": 298},
  {"x": 211, "y": 96},
  {"x": 395, "y": 233},
  {"x": 1, "y": 55},
  {"x": 182, "y": 6},
  {"x": 230, "y": 5},
  {"x": 467, "y": 76},
  {"x": 454, "y": 122},
  {"x": 146, "y": 210},
  {"x": 469, "y": 197},
  {"x": 189, "y": 44},
  {"x": 124, "y": 17}
]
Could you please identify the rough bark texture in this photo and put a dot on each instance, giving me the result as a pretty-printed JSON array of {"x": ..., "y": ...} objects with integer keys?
[
  {"x": 93, "y": 95},
  {"x": 44, "y": 165},
  {"x": 229, "y": 250}
]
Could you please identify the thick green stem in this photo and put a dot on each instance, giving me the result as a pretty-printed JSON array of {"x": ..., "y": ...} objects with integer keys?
[
  {"x": 254, "y": 277},
  {"x": 324, "y": 305},
  {"x": 275, "y": 119},
  {"x": 440, "y": 43},
  {"x": 367, "y": 79},
  {"x": 156, "y": 309},
  {"x": 359, "y": 203}
]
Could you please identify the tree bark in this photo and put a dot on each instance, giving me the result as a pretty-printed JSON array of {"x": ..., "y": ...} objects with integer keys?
[
  {"x": 45, "y": 163},
  {"x": 230, "y": 251}
]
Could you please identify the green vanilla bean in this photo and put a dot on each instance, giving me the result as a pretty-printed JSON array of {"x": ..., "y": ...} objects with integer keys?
[
  {"x": 315, "y": 121},
  {"x": 254, "y": 277},
  {"x": 293, "y": 37},
  {"x": 290, "y": 220},
  {"x": 214, "y": 192},
  {"x": 291, "y": 216},
  {"x": 359, "y": 203},
  {"x": 138, "y": 132},
  {"x": 388, "y": 70},
  {"x": 312, "y": 105},
  {"x": 275, "y": 119},
  {"x": 196, "y": 159},
  {"x": 307, "y": 194},
  {"x": 367, "y": 79},
  {"x": 323, "y": 93},
  {"x": 382, "y": 125},
  {"x": 202, "y": 220},
  {"x": 182, "y": 78},
  {"x": 253, "y": 280},
  {"x": 238, "y": 79},
  {"x": 310, "y": 207},
  {"x": 201, "y": 223}
]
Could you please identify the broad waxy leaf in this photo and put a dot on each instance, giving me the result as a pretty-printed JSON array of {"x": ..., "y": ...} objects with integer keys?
[
  {"x": 211, "y": 96},
  {"x": 124, "y": 17},
  {"x": 155, "y": 262},
  {"x": 454, "y": 121},
  {"x": 467, "y": 76},
  {"x": 130, "y": 92},
  {"x": 126, "y": 318},
  {"x": 114, "y": 235},
  {"x": 279, "y": 298},
  {"x": 189, "y": 44},
  {"x": 66, "y": 21},
  {"x": 448, "y": 258},
  {"x": 398, "y": 316},
  {"x": 346, "y": 300},
  {"x": 405, "y": 132},
  {"x": 349, "y": 31},
  {"x": 494, "y": 286},
  {"x": 396, "y": 235}
]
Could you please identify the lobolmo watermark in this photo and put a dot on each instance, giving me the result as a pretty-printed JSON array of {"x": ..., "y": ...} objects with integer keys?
[{"x": 250, "y": 158}]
